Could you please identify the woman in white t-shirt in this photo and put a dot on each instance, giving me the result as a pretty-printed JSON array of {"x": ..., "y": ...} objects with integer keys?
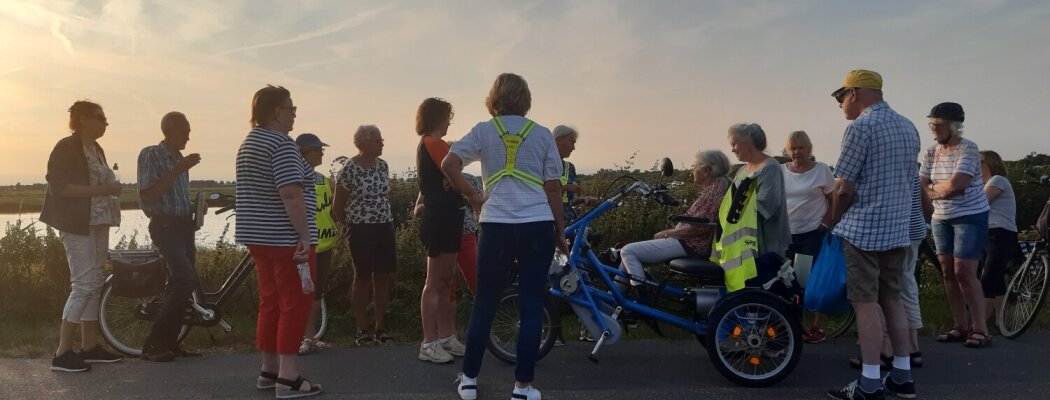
[
  {"x": 807, "y": 191},
  {"x": 1001, "y": 248}
]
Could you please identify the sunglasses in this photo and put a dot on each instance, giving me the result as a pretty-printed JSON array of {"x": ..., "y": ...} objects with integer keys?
[
  {"x": 935, "y": 126},
  {"x": 842, "y": 96}
]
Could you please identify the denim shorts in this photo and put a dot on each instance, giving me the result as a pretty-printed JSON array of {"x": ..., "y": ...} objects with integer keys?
[{"x": 962, "y": 237}]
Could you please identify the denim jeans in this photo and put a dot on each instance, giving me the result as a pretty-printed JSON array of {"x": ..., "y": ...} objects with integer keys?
[
  {"x": 174, "y": 239},
  {"x": 500, "y": 245}
]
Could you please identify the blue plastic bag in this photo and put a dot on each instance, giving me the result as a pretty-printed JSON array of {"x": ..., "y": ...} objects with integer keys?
[{"x": 826, "y": 288}]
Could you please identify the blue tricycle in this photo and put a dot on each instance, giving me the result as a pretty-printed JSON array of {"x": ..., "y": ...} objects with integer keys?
[{"x": 753, "y": 336}]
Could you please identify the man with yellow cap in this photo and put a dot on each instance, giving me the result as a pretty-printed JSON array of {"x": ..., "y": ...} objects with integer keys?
[{"x": 875, "y": 174}]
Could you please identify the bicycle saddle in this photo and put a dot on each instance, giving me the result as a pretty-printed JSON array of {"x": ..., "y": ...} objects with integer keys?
[{"x": 697, "y": 268}]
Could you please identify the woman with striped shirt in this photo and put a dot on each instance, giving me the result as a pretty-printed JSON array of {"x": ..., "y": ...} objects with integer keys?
[
  {"x": 274, "y": 187},
  {"x": 951, "y": 174}
]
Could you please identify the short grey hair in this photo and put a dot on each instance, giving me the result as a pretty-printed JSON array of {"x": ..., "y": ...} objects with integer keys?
[
  {"x": 169, "y": 119},
  {"x": 716, "y": 160},
  {"x": 955, "y": 126},
  {"x": 752, "y": 132},
  {"x": 365, "y": 132},
  {"x": 561, "y": 131}
]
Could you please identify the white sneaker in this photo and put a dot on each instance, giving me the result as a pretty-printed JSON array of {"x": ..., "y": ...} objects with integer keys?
[
  {"x": 525, "y": 393},
  {"x": 434, "y": 353},
  {"x": 453, "y": 346},
  {"x": 467, "y": 387}
]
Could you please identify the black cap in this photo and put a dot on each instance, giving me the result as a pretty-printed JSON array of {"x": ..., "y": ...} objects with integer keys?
[
  {"x": 309, "y": 140},
  {"x": 948, "y": 111}
]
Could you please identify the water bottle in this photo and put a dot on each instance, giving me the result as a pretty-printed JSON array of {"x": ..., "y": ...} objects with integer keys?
[
  {"x": 304, "y": 276},
  {"x": 116, "y": 179}
]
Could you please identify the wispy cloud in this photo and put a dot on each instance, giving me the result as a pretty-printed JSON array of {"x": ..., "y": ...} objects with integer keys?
[{"x": 351, "y": 22}]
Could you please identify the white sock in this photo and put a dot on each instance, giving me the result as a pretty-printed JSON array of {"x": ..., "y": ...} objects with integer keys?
[
  {"x": 902, "y": 363},
  {"x": 871, "y": 372}
]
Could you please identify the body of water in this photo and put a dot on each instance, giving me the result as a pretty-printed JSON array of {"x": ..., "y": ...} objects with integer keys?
[{"x": 134, "y": 224}]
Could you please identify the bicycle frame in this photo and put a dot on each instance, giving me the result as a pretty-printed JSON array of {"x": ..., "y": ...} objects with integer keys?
[
  {"x": 589, "y": 296},
  {"x": 236, "y": 278}
]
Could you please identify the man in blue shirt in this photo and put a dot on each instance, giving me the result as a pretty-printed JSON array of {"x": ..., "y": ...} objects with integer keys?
[
  {"x": 164, "y": 184},
  {"x": 872, "y": 203}
]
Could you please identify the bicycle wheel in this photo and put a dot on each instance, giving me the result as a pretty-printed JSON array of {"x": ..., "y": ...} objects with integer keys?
[
  {"x": 503, "y": 335},
  {"x": 1024, "y": 296},
  {"x": 754, "y": 340},
  {"x": 833, "y": 325},
  {"x": 126, "y": 321}
]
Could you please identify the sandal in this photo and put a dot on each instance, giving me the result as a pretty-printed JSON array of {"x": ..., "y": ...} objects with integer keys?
[
  {"x": 954, "y": 335},
  {"x": 294, "y": 389},
  {"x": 978, "y": 340},
  {"x": 916, "y": 359},
  {"x": 266, "y": 381},
  {"x": 886, "y": 365},
  {"x": 363, "y": 337},
  {"x": 383, "y": 337}
]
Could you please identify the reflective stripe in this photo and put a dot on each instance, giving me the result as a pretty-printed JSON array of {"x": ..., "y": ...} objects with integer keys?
[
  {"x": 564, "y": 181},
  {"x": 511, "y": 143},
  {"x": 743, "y": 232},
  {"x": 736, "y": 249}
]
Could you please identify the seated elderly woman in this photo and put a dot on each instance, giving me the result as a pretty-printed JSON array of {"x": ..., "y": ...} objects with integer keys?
[{"x": 709, "y": 173}]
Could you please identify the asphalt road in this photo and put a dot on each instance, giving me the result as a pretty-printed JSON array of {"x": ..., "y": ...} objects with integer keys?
[{"x": 629, "y": 370}]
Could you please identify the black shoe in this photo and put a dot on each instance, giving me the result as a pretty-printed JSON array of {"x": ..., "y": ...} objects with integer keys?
[
  {"x": 99, "y": 355},
  {"x": 904, "y": 390},
  {"x": 854, "y": 392},
  {"x": 160, "y": 356},
  {"x": 69, "y": 361},
  {"x": 181, "y": 352}
]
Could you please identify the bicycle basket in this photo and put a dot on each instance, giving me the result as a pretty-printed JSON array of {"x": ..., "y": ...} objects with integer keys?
[
  {"x": 1041, "y": 224},
  {"x": 138, "y": 274}
]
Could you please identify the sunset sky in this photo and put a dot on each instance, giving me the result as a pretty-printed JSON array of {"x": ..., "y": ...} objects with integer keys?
[{"x": 663, "y": 78}]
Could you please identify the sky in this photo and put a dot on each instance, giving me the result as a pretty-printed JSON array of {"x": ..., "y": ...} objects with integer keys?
[{"x": 651, "y": 78}]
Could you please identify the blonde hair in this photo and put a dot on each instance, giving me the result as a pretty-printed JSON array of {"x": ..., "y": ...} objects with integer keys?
[
  {"x": 798, "y": 137},
  {"x": 509, "y": 95}
]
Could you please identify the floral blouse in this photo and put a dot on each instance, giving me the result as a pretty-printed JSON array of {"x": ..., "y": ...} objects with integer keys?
[
  {"x": 369, "y": 192},
  {"x": 705, "y": 206},
  {"x": 105, "y": 209}
]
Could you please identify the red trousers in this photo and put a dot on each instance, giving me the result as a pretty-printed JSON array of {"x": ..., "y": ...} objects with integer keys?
[
  {"x": 468, "y": 263},
  {"x": 283, "y": 307}
]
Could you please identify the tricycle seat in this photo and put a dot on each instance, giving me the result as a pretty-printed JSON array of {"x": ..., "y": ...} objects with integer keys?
[{"x": 698, "y": 268}]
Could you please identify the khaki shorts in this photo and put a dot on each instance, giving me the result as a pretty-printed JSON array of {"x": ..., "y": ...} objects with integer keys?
[{"x": 873, "y": 275}]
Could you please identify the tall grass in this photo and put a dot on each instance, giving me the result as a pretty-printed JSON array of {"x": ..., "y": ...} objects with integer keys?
[{"x": 34, "y": 276}]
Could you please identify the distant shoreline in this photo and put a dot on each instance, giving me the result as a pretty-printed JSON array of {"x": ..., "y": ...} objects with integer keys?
[{"x": 31, "y": 201}]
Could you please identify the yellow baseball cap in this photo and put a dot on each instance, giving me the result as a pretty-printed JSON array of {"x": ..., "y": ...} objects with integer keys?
[{"x": 860, "y": 78}]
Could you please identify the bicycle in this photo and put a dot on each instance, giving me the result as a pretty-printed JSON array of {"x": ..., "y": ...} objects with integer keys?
[
  {"x": 1026, "y": 292},
  {"x": 753, "y": 336},
  {"x": 126, "y": 321}
]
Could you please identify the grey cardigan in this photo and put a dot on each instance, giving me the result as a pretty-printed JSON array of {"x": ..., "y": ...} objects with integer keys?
[{"x": 774, "y": 233}]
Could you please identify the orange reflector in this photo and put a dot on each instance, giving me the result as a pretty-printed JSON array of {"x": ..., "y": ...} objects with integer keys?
[
  {"x": 754, "y": 360},
  {"x": 771, "y": 332},
  {"x": 737, "y": 331}
]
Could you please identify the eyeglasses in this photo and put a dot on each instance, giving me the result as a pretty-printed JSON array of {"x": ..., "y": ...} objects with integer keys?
[
  {"x": 842, "y": 96},
  {"x": 99, "y": 118},
  {"x": 936, "y": 126},
  {"x": 380, "y": 141},
  {"x": 293, "y": 108}
]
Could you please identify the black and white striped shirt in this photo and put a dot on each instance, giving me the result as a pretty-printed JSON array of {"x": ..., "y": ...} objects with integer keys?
[{"x": 266, "y": 161}]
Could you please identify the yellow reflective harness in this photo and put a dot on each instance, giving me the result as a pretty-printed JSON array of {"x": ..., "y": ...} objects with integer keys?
[
  {"x": 564, "y": 181},
  {"x": 737, "y": 247},
  {"x": 511, "y": 143}
]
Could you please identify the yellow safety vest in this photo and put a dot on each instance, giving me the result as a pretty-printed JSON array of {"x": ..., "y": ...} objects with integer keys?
[
  {"x": 327, "y": 232},
  {"x": 511, "y": 143},
  {"x": 564, "y": 181},
  {"x": 737, "y": 248}
]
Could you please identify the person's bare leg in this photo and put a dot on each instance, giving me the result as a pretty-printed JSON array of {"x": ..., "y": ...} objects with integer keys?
[
  {"x": 897, "y": 326},
  {"x": 311, "y": 321},
  {"x": 869, "y": 331},
  {"x": 66, "y": 332},
  {"x": 434, "y": 307},
  {"x": 951, "y": 287},
  {"x": 382, "y": 284},
  {"x": 270, "y": 363},
  {"x": 360, "y": 294},
  {"x": 88, "y": 334},
  {"x": 973, "y": 295},
  {"x": 992, "y": 306}
]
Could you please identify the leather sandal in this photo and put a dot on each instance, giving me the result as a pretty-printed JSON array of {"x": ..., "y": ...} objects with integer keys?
[
  {"x": 978, "y": 340},
  {"x": 294, "y": 389},
  {"x": 954, "y": 335},
  {"x": 266, "y": 381}
]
